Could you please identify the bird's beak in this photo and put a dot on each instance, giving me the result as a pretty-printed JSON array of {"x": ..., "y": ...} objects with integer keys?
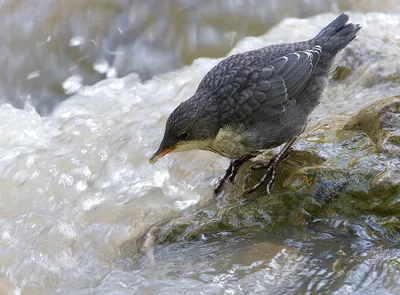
[{"x": 160, "y": 153}]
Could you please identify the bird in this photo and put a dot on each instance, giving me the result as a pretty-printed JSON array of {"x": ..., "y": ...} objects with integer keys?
[{"x": 257, "y": 100}]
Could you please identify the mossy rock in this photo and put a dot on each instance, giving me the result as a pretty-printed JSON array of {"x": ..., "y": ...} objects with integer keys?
[
  {"x": 337, "y": 169},
  {"x": 331, "y": 193},
  {"x": 381, "y": 122},
  {"x": 341, "y": 73}
]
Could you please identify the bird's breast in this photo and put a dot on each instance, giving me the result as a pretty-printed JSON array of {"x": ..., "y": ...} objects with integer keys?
[{"x": 231, "y": 143}]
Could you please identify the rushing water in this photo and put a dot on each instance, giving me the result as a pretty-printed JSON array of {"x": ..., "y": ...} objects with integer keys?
[
  {"x": 76, "y": 186},
  {"x": 49, "y": 51}
]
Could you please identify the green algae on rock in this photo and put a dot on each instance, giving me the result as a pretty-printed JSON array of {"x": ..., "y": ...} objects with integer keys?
[
  {"x": 341, "y": 73},
  {"x": 334, "y": 171},
  {"x": 381, "y": 122}
]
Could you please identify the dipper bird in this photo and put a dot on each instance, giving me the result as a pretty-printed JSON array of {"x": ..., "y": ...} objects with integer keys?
[{"x": 257, "y": 100}]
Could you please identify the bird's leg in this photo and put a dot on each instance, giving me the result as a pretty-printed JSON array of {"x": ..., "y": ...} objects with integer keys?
[
  {"x": 232, "y": 170},
  {"x": 236, "y": 164},
  {"x": 270, "y": 174},
  {"x": 272, "y": 165}
]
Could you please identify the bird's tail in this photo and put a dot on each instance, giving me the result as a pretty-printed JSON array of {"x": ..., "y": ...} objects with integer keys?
[{"x": 337, "y": 35}]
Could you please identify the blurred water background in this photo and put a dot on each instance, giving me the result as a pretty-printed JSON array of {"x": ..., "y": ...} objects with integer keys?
[{"x": 49, "y": 50}]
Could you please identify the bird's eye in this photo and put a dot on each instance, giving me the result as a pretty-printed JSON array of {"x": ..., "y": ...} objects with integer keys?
[{"x": 183, "y": 136}]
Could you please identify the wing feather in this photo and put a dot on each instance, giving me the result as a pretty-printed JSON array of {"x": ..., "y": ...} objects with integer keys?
[{"x": 252, "y": 94}]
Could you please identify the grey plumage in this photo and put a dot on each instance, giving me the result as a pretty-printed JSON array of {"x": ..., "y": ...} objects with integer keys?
[{"x": 258, "y": 99}]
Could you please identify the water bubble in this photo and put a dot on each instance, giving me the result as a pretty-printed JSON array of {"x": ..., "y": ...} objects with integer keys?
[
  {"x": 81, "y": 186},
  {"x": 33, "y": 75},
  {"x": 160, "y": 177},
  {"x": 72, "y": 84},
  {"x": 182, "y": 205},
  {"x": 101, "y": 66},
  {"x": 112, "y": 73},
  {"x": 76, "y": 41},
  {"x": 91, "y": 203}
]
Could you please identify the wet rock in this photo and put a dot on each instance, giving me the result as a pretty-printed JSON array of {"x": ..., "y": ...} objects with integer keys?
[
  {"x": 386, "y": 180},
  {"x": 336, "y": 169},
  {"x": 381, "y": 122},
  {"x": 345, "y": 165},
  {"x": 341, "y": 73}
]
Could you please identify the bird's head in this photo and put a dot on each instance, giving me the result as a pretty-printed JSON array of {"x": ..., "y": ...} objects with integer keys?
[{"x": 189, "y": 127}]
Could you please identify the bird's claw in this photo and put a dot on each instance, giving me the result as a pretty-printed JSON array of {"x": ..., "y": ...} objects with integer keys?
[
  {"x": 270, "y": 174},
  {"x": 231, "y": 172},
  {"x": 268, "y": 177}
]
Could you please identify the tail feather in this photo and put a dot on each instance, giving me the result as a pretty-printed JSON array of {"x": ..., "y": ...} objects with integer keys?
[{"x": 337, "y": 35}]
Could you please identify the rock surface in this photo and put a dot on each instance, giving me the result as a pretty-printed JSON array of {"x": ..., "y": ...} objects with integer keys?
[
  {"x": 338, "y": 168},
  {"x": 346, "y": 164}
]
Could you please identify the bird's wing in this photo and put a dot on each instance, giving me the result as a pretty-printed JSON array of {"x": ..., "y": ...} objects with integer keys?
[{"x": 257, "y": 93}]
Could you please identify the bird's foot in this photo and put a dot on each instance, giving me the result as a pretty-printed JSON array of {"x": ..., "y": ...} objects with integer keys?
[
  {"x": 231, "y": 172},
  {"x": 269, "y": 177}
]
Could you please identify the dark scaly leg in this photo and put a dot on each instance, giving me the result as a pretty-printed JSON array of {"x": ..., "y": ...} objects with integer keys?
[
  {"x": 270, "y": 175},
  {"x": 232, "y": 170}
]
